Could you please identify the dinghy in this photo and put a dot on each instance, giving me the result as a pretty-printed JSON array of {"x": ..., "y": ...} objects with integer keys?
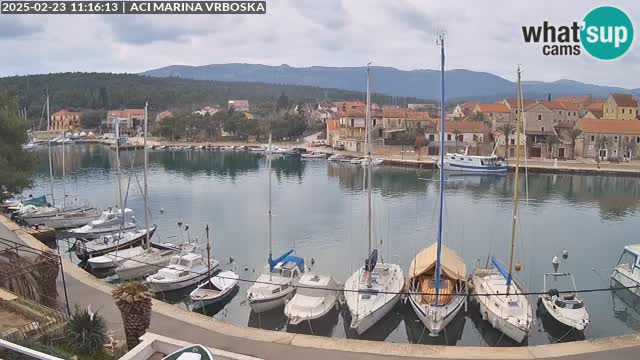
[
  {"x": 213, "y": 290},
  {"x": 316, "y": 295},
  {"x": 193, "y": 352}
]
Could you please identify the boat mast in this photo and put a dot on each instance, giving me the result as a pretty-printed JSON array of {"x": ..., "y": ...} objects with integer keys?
[
  {"x": 117, "y": 128},
  {"x": 53, "y": 200},
  {"x": 269, "y": 166},
  {"x": 208, "y": 254},
  {"x": 368, "y": 152},
  {"x": 515, "y": 186},
  {"x": 442, "y": 150},
  {"x": 146, "y": 161},
  {"x": 64, "y": 190}
]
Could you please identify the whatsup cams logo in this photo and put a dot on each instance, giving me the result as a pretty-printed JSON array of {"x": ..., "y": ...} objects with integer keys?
[{"x": 606, "y": 33}]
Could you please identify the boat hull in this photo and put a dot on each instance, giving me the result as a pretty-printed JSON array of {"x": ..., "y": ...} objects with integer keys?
[
  {"x": 579, "y": 320},
  {"x": 95, "y": 233},
  {"x": 309, "y": 314},
  {"x": 84, "y": 254},
  {"x": 449, "y": 166},
  {"x": 262, "y": 305},
  {"x": 626, "y": 281},
  {"x": 157, "y": 286},
  {"x": 372, "y": 318},
  {"x": 437, "y": 324}
]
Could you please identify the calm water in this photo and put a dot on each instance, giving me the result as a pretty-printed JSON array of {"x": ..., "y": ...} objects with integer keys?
[{"x": 320, "y": 210}]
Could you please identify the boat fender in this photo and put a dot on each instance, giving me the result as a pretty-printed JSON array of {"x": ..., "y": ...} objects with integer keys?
[{"x": 105, "y": 240}]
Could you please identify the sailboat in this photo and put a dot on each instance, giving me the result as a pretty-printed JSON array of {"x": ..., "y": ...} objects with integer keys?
[
  {"x": 437, "y": 277},
  {"x": 110, "y": 221},
  {"x": 374, "y": 289},
  {"x": 276, "y": 283},
  {"x": 499, "y": 296}
]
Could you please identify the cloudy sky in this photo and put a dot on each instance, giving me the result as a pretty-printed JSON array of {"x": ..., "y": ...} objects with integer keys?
[{"x": 481, "y": 36}]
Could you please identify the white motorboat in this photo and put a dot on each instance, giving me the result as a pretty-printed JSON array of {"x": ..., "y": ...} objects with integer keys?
[
  {"x": 336, "y": 157},
  {"x": 566, "y": 308},
  {"x": 473, "y": 163},
  {"x": 111, "y": 243},
  {"x": 357, "y": 161},
  {"x": 214, "y": 289},
  {"x": 227, "y": 148},
  {"x": 501, "y": 298},
  {"x": 29, "y": 146},
  {"x": 316, "y": 295},
  {"x": 627, "y": 271},
  {"x": 114, "y": 258},
  {"x": 148, "y": 262},
  {"x": 110, "y": 221},
  {"x": 370, "y": 295},
  {"x": 70, "y": 219},
  {"x": 276, "y": 283},
  {"x": 257, "y": 148},
  {"x": 434, "y": 305},
  {"x": 314, "y": 155},
  {"x": 374, "y": 162},
  {"x": 183, "y": 271}
]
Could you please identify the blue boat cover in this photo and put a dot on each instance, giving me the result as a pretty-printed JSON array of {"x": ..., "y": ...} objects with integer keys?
[
  {"x": 274, "y": 262},
  {"x": 501, "y": 269},
  {"x": 296, "y": 260}
]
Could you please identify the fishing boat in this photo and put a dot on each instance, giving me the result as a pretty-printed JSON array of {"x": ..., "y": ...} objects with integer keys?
[
  {"x": 627, "y": 272},
  {"x": 374, "y": 289},
  {"x": 314, "y": 155},
  {"x": 110, "y": 221},
  {"x": 437, "y": 279},
  {"x": 276, "y": 283},
  {"x": 473, "y": 163},
  {"x": 111, "y": 243},
  {"x": 316, "y": 296},
  {"x": 184, "y": 270},
  {"x": 566, "y": 307},
  {"x": 501, "y": 299},
  {"x": 192, "y": 352}
]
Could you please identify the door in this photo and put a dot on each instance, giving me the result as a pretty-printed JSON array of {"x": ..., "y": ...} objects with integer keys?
[
  {"x": 561, "y": 153},
  {"x": 603, "y": 154},
  {"x": 535, "y": 152}
]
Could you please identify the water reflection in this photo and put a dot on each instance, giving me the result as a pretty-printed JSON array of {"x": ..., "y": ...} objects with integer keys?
[
  {"x": 380, "y": 331},
  {"x": 323, "y": 326},
  {"x": 626, "y": 307},
  {"x": 417, "y": 333},
  {"x": 268, "y": 320}
]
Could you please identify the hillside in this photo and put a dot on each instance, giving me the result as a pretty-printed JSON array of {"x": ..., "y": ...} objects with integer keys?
[{"x": 461, "y": 84}]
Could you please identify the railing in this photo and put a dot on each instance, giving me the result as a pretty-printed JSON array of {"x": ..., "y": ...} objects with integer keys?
[{"x": 24, "y": 350}]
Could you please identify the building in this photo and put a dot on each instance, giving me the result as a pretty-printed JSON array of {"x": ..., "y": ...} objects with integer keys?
[
  {"x": 621, "y": 107},
  {"x": 564, "y": 114},
  {"x": 64, "y": 120},
  {"x": 512, "y": 104},
  {"x": 129, "y": 118},
  {"x": 207, "y": 110},
  {"x": 422, "y": 107},
  {"x": 496, "y": 113},
  {"x": 352, "y": 128},
  {"x": 594, "y": 110},
  {"x": 349, "y": 105},
  {"x": 581, "y": 102},
  {"x": 463, "y": 132},
  {"x": 238, "y": 105},
  {"x": 608, "y": 139}
]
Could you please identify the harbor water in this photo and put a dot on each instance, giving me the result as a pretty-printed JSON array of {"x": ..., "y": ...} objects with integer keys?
[{"x": 320, "y": 210}]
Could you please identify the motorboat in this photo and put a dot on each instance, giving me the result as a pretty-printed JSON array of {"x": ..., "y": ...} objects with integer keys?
[
  {"x": 29, "y": 146},
  {"x": 276, "y": 283},
  {"x": 214, "y": 289},
  {"x": 110, "y": 221},
  {"x": 192, "y": 352},
  {"x": 437, "y": 306},
  {"x": 316, "y": 296},
  {"x": 114, "y": 258},
  {"x": 148, "y": 262},
  {"x": 345, "y": 159},
  {"x": 257, "y": 148},
  {"x": 69, "y": 219},
  {"x": 357, "y": 161},
  {"x": 314, "y": 155},
  {"x": 473, "y": 163},
  {"x": 336, "y": 157},
  {"x": 183, "y": 271},
  {"x": 627, "y": 272},
  {"x": 228, "y": 148},
  {"x": 374, "y": 161},
  {"x": 566, "y": 307},
  {"x": 502, "y": 303},
  {"x": 111, "y": 243}
]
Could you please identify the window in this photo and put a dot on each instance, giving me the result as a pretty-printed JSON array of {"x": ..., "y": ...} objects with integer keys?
[
  {"x": 593, "y": 138},
  {"x": 374, "y": 122},
  {"x": 448, "y": 136},
  {"x": 623, "y": 111},
  {"x": 542, "y": 128},
  {"x": 432, "y": 137},
  {"x": 637, "y": 139},
  {"x": 513, "y": 142},
  {"x": 560, "y": 112},
  {"x": 615, "y": 138},
  {"x": 539, "y": 116}
]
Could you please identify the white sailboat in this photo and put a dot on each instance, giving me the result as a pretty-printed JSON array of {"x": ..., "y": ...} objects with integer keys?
[
  {"x": 437, "y": 279},
  {"x": 500, "y": 297},
  {"x": 110, "y": 221},
  {"x": 374, "y": 289},
  {"x": 276, "y": 283},
  {"x": 315, "y": 297}
]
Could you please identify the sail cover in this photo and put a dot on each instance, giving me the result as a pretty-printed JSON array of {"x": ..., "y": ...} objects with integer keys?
[
  {"x": 425, "y": 261},
  {"x": 274, "y": 262}
]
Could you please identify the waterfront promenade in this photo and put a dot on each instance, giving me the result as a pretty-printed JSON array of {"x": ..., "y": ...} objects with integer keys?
[{"x": 171, "y": 321}]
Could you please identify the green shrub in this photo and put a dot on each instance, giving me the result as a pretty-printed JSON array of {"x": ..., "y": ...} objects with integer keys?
[{"x": 85, "y": 332}]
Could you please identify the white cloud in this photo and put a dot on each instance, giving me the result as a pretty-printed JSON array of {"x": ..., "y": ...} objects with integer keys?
[{"x": 481, "y": 36}]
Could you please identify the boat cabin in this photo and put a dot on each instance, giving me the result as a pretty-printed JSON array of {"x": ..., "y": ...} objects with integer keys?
[
  {"x": 186, "y": 261},
  {"x": 630, "y": 259}
]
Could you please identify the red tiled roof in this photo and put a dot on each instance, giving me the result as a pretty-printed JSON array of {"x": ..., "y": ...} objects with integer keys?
[
  {"x": 609, "y": 126},
  {"x": 65, "y": 113},
  {"x": 514, "y": 102},
  {"x": 557, "y": 105},
  {"x": 126, "y": 113},
  {"x": 574, "y": 99},
  {"x": 625, "y": 100},
  {"x": 405, "y": 114},
  {"x": 465, "y": 127},
  {"x": 500, "y": 108},
  {"x": 596, "y": 106}
]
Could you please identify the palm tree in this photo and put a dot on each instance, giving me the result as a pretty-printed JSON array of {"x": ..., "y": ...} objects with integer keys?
[
  {"x": 506, "y": 129},
  {"x": 601, "y": 143},
  {"x": 572, "y": 135},
  {"x": 134, "y": 302},
  {"x": 478, "y": 116},
  {"x": 85, "y": 332},
  {"x": 551, "y": 141},
  {"x": 456, "y": 135}
]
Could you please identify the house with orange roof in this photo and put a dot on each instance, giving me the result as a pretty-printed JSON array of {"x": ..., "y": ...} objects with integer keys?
[
  {"x": 621, "y": 106},
  {"x": 608, "y": 139},
  {"x": 464, "y": 133},
  {"x": 352, "y": 128},
  {"x": 64, "y": 120},
  {"x": 238, "y": 105},
  {"x": 128, "y": 118},
  {"x": 349, "y": 105},
  {"x": 163, "y": 115},
  {"x": 496, "y": 113},
  {"x": 564, "y": 114}
]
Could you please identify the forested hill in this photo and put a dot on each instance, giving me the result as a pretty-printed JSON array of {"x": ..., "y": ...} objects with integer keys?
[{"x": 104, "y": 91}]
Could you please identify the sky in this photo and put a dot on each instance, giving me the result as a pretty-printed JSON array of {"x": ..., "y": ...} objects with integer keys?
[{"x": 480, "y": 35}]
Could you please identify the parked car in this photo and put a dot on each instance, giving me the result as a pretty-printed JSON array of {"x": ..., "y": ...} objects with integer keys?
[{"x": 338, "y": 147}]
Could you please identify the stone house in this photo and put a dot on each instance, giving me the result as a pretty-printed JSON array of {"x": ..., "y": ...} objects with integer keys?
[
  {"x": 620, "y": 106},
  {"x": 496, "y": 113},
  {"x": 580, "y": 102},
  {"x": 64, "y": 120},
  {"x": 238, "y": 105},
  {"x": 512, "y": 105},
  {"x": 564, "y": 114},
  {"x": 351, "y": 125},
  {"x": 622, "y": 139},
  {"x": 539, "y": 124}
]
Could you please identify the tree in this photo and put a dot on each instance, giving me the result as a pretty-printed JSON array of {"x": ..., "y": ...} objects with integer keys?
[
  {"x": 134, "y": 302},
  {"x": 85, "y": 332},
  {"x": 551, "y": 141},
  {"x": 478, "y": 116},
  {"x": 15, "y": 164},
  {"x": 283, "y": 102},
  {"x": 572, "y": 135},
  {"x": 456, "y": 135},
  {"x": 601, "y": 143},
  {"x": 507, "y": 129}
]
